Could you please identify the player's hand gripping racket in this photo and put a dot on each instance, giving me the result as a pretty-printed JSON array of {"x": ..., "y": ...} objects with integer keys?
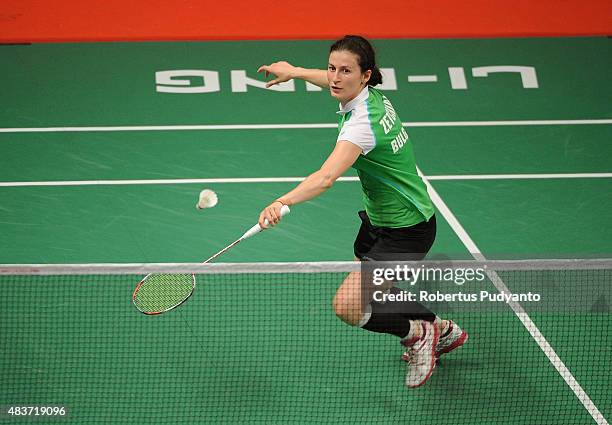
[{"x": 161, "y": 292}]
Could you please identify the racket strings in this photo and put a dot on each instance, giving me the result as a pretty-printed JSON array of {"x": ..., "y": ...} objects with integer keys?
[{"x": 161, "y": 292}]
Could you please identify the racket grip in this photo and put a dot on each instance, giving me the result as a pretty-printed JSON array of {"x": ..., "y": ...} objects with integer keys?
[{"x": 257, "y": 228}]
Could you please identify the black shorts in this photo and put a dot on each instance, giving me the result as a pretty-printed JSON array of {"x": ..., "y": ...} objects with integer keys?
[{"x": 394, "y": 244}]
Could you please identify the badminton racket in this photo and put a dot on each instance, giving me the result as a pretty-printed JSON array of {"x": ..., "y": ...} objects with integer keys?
[{"x": 158, "y": 293}]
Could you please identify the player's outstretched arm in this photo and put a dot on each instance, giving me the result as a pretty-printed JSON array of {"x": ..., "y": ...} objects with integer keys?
[
  {"x": 284, "y": 71},
  {"x": 343, "y": 156}
]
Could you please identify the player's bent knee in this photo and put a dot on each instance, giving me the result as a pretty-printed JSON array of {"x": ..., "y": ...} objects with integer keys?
[
  {"x": 347, "y": 310},
  {"x": 339, "y": 306}
]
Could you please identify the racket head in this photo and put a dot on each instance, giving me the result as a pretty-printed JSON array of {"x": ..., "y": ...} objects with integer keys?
[{"x": 158, "y": 293}]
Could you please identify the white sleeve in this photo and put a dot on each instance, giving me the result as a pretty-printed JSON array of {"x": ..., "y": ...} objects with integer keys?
[{"x": 357, "y": 130}]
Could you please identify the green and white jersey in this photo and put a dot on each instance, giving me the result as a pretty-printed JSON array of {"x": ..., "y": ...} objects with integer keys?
[{"x": 393, "y": 193}]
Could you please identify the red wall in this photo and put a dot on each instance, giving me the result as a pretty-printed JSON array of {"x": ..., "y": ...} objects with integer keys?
[{"x": 105, "y": 20}]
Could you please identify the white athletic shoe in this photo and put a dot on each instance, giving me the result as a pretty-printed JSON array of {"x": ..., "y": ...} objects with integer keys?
[
  {"x": 454, "y": 338},
  {"x": 422, "y": 355}
]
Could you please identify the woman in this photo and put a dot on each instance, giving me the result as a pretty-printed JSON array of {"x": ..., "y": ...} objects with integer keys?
[{"x": 398, "y": 223}]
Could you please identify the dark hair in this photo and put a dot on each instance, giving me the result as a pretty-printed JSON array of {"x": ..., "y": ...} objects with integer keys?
[{"x": 365, "y": 54}]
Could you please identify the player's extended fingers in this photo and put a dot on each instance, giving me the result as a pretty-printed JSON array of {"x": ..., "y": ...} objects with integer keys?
[
  {"x": 265, "y": 69},
  {"x": 273, "y": 82}
]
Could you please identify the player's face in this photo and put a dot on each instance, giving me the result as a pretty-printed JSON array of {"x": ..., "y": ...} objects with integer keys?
[{"x": 344, "y": 75}]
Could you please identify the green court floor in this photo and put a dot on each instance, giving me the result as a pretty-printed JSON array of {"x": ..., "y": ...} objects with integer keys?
[{"x": 70, "y": 193}]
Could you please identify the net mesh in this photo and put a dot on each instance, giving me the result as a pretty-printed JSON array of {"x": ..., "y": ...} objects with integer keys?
[{"x": 255, "y": 347}]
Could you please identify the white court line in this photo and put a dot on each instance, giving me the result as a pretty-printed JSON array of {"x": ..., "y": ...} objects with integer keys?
[
  {"x": 295, "y": 126},
  {"x": 521, "y": 176},
  {"x": 163, "y": 181},
  {"x": 516, "y": 307},
  {"x": 291, "y": 179}
]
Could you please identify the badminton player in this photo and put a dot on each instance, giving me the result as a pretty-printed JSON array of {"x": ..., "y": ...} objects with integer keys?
[{"x": 398, "y": 223}]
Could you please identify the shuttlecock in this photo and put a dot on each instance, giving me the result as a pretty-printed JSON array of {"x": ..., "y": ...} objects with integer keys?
[{"x": 208, "y": 199}]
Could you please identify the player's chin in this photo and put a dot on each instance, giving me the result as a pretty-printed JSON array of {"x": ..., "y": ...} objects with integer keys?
[{"x": 335, "y": 94}]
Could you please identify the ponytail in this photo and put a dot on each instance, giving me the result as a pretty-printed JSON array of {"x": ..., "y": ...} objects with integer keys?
[{"x": 375, "y": 78}]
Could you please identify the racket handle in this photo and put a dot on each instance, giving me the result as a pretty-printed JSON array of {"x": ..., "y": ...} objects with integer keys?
[{"x": 257, "y": 228}]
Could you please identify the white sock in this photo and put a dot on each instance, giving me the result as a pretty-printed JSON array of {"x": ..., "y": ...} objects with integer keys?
[{"x": 366, "y": 316}]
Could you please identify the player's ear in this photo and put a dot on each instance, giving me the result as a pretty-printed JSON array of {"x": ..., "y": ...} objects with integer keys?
[{"x": 365, "y": 77}]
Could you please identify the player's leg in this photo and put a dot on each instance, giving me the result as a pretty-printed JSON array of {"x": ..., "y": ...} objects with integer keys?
[
  {"x": 409, "y": 321},
  {"x": 417, "y": 240},
  {"x": 406, "y": 319}
]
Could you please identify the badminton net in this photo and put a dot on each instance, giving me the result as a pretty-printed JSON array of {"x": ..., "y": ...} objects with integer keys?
[{"x": 260, "y": 343}]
